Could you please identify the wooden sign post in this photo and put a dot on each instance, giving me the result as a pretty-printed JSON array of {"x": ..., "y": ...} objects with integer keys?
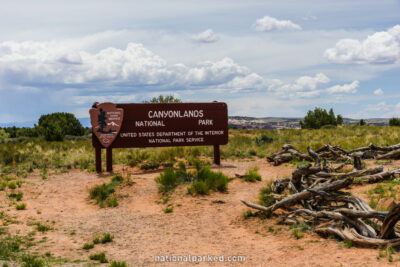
[{"x": 157, "y": 125}]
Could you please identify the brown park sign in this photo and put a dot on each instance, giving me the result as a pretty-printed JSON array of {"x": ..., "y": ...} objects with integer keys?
[
  {"x": 158, "y": 125},
  {"x": 106, "y": 121}
]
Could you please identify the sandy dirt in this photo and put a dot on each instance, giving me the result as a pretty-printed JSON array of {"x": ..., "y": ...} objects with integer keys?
[{"x": 206, "y": 225}]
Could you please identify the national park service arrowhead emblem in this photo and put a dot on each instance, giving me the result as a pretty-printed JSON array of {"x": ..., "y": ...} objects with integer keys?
[{"x": 106, "y": 121}]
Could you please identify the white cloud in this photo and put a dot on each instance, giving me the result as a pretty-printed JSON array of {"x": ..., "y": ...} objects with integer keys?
[
  {"x": 303, "y": 87},
  {"x": 378, "y": 91},
  {"x": 378, "y": 48},
  {"x": 208, "y": 36},
  {"x": 267, "y": 24},
  {"x": 251, "y": 82},
  {"x": 346, "y": 88},
  {"x": 56, "y": 63}
]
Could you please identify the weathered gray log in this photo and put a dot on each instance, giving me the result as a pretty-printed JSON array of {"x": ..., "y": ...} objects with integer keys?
[
  {"x": 357, "y": 173},
  {"x": 395, "y": 154},
  {"x": 284, "y": 150},
  {"x": 303, "y": 195},
  {"x": 373, "y": 178},
  {"x": 286, "y": 154},
  {"x": 360, "y": 149},
  {"x": 279, "y": 185},
  {"x": 336, "y": 169},
  {"x": 282, "y": 158},
  {"x": 327, "y": 148},
  {"x": 357, "y": 160},
  {"x": 305, "y": 170},
  {"x": 362, "y": 214},
  {"x": 384, "y": 148},
  {"x": 314, "y": 156},
  {"x": 387, "y": 231},
  {"x": 363, "y": 228},
  {"x": 357, "y": 239},
  {"x": 255, "y": 206}
]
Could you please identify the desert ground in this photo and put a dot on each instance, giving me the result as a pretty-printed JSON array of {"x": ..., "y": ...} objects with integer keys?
[{"x": 204, "y": 225}]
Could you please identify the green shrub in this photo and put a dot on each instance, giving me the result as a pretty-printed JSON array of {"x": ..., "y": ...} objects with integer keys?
[
  {"x": 167, "y": 180},
  {"x": 102, "y": 192},
  {"x": 112, "y": 202},
  {"x": 12, "y": 185},
  {"x": 32, "y": 261},
  {"x": 319, "y": 118},
  {"x": 252, "y": 175},
  {"x": 117, "y": 178},
  {"x": 247, "y": 214},
  {"x": 43, "y": 173},
  {"x": 297, "y": 234},
  {"x": 214, "y": 180},
  {"x": 169, "y": 209},
  {"x": 266, "y": 199},
  {"x": 198, "y": 188},
  {"x": 118, "y": 264},
  {"x": 42, "y": 228},
  {"x": 9, "y": 247},
  {"x": 55, "y": 126},
  {"x": 394, "y": 122},
  {"x": 18, "y": 196},
  {"x": 3, "y": 186},
  {"x": 88, "y": 246},
  {"x": 203, "y": 179},
  {"x": 149, "y": 165},
  {"x": 348, "y": 243},
  {"x": 101, "y": 257},
  {"x": 107, "y": 237},
  {"x": 21, "y": 206},
  {"x": 164, "y": 99},
  {"x": 3, "y": 136},
  {"x": 262, "y": 139}
]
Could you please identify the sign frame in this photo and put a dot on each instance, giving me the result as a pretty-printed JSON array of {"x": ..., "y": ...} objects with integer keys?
[{"x": 129, "y": 126}]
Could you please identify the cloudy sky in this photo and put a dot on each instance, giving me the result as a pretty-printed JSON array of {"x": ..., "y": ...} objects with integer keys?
[{"x": 264, "y": 58}]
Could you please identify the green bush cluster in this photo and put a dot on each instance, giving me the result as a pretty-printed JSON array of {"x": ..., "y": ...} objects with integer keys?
[
  {"x": 262, "y": 138},
  {"x": 252, "y": 175},
  {"x": 319, "y": 118},
  {"x": 3, "y": 136},
  {"x": 149, "y": 165},
  {"x": 21, "y": 206},
  {"x": 203, "y": 179},
  {"x": 106, "y": 238},
  {"x": 266, "y": 198},
  {"x": 118, "y": 264},
  {"x": 101, "y": 257},
  {"x": 55, "y": 126},
  {"x": 394, "y": 122},
  {"x": 101, "y": 193},
  {"x": 164, "y": 99},
  {"x": 32, "y": 261},
  {"x": 9, "y": 247}
]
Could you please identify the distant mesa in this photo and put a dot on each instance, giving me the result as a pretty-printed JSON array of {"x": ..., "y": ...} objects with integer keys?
[{"x": 275, "y": 123}]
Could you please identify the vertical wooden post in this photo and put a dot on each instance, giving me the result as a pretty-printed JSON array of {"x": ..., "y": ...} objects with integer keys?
[
  {"x": 217, "y": 157},
  {"x": 109, "y": 159},
  {"x": 98, "y": 158}
]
